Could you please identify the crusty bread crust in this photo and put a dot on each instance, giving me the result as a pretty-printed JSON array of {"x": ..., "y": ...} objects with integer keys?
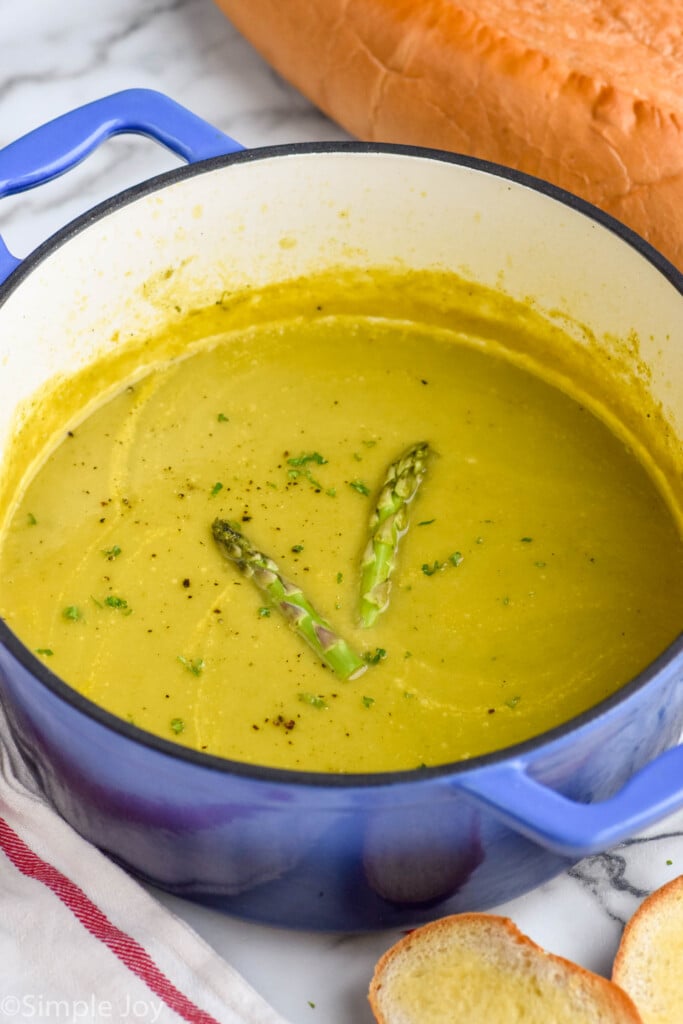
[
  {"x": 521, "y": 974},
  {"x": 586, "y": 95},
  {"x": 648, "y": 962}
]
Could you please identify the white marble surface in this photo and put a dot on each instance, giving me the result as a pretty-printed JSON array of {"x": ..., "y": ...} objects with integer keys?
[{"x": 55, "y": 56}]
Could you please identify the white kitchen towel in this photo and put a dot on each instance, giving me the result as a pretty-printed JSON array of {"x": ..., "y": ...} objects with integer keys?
[{"x": 81, "y": 941}]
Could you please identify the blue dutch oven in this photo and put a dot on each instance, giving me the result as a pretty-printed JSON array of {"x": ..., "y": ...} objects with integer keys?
[{"x": 341, "y": 852}]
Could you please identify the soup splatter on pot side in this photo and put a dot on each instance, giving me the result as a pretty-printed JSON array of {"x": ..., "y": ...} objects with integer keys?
[{"x": 541, "y": 569}]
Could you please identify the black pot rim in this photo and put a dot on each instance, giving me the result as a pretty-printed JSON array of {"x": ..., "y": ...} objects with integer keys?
[{"x": 259, "y": 773}]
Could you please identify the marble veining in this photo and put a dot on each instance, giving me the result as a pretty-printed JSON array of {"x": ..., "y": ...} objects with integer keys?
[{"x": 55, "y": 56}]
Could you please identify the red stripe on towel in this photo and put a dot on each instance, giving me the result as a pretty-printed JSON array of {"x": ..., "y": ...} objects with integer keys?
[{"x": 131, "y": 953}]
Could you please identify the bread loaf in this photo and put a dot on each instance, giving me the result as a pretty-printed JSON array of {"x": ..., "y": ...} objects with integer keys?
[
  {"x": 587, "y": 94},
  {"x": 649, "y": 961},
  {"x": 480, "y": 969}
]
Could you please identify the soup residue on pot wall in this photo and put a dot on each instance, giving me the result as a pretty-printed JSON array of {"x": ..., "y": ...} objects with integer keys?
[{"x": 541, "y": 570}]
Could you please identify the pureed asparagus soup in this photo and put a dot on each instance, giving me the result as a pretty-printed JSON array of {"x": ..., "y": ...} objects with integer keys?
[{"x": 348, "y": 524}]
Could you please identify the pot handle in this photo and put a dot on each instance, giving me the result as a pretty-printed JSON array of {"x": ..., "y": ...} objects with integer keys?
[
  {"x": 59, "y": 145},
  {"x": 571, "y": 828}
]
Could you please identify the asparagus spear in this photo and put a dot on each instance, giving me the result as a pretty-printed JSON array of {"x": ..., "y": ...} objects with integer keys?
[
  {"x": 388, "y": 523},
  {"x": 289, "y": 599}
]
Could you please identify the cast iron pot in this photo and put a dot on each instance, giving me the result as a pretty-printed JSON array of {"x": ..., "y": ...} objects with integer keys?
[{"x": 294, "y": 848}]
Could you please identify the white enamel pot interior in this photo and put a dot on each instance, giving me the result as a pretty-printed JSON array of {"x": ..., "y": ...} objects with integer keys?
[{"x": 263, "y": 216}]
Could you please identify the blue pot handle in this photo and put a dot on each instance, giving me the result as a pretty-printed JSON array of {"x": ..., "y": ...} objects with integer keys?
[
  {"x": 578, "y": 829},
  {"x": 55, "y": 147}
]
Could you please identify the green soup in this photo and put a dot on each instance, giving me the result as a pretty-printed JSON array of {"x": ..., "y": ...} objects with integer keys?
[{"x": 540, "y": 570}]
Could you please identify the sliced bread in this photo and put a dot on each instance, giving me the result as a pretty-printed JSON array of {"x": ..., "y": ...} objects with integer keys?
[
  {"x": 480, "y": 969},
  {"x": 649, "y": 961}
]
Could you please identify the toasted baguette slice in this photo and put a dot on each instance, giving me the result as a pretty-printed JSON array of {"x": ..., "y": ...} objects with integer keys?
[
  {"x": 480, "y": 969},
  {"x": 649, "y": 961}
]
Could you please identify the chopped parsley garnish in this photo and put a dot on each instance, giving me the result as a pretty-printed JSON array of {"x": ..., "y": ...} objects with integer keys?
[
  {"x": 314, "y": 699},
  {"x": 112, "y": 601},
  {"x": 427, "y": 522},
  {"x": 218, "y": 486},
  {"x": 72, "y": 612},
  {"x": 359, "y": 486},
  {"x": 429, "y": 570},
  {"x": 177, "y": 725},
  {"x": 112, "y": 553},
  {"x": 303, "y": 460},
  {"x": 194, "y": 665},
  {"x": 526, "y": 540},
  {"x": 31, "y": 519},
  {"x": 301, "y": 467},
  {"x": 297, "y": 548},
  {"x": 368, "y": 701},
  {"x": 340, "y": 577},
  {"x": 374, "y": 657},
  {"x": 222, "y": 418},
  {"x": 264, "y": 612},
  {"x": 45, "y": 651}
]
